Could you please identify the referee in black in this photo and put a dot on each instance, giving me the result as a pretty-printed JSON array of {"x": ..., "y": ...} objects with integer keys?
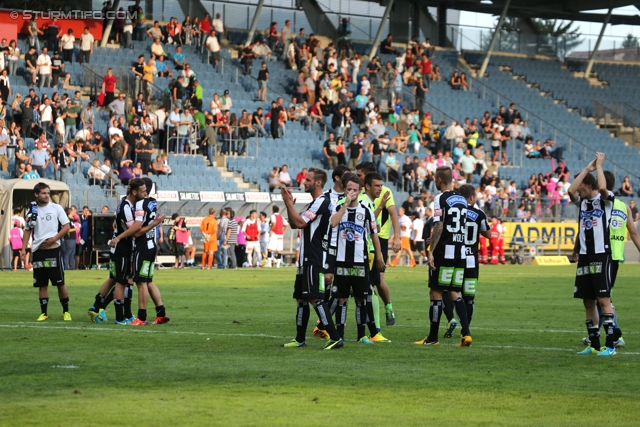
[{"x": 310, "y": 287}]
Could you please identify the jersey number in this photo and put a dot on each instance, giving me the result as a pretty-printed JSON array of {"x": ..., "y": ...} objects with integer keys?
[
  {"x": 471, "y": 234},
  {"x": 456, "y": 215}
]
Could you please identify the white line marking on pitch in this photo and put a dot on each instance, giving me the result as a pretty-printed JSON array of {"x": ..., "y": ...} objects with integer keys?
[{"x": 85, "y": 329}]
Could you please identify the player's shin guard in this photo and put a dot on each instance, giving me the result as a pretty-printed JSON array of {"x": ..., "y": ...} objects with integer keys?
[
  {"x": 609, "y": 329},
  {"x": 302, "y": 320},
  {"x": 461, "y": 309},
  {"x": 435, "y": 312},
  {"x": 594, "y": 334},
  {"x": 99, "y": 302},
  {"x": 468, "y": 300},
  {"x": 323, "y": 314},
  {"x": 44, "y": 304},
  {"x": 341, "y": 318},
  {"x": 119, "y": 306},
  {"x": 65, "y": 304},
  {"x": 447, "y": 306},
  {"x": 361, "y": 317}
]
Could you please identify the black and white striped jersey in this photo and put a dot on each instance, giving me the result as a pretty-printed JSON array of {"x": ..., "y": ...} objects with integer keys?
[
  {"x": 355, "y": 228},
  {"x": 331, "y": 236},
  {"x": 313, "y": 245},
  {"x": 595, "y": 215},
  {"x": 124, "y": 219},
  {"x": 450, "y": 208},
  {"x": 476, "y": 222}
]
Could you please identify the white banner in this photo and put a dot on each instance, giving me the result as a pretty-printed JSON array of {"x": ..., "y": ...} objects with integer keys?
[
  {"x": 212, "y": 196},
  {"x": 253, "y": 197},
  {"x": 193, "y": 221},
  {"x": 303, "y": 198},
  {"x": 167, "y": 196}
]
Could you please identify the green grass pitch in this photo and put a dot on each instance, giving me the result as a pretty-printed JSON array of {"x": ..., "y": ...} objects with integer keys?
[{"x": 219, "y": 362}]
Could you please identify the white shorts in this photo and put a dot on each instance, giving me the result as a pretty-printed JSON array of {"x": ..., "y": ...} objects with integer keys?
[
  {"x": 275, "y": 243},
  {"x": 253, "y": 246}
]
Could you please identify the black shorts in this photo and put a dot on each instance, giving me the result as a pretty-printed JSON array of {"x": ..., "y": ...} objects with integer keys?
[
  {"x": 79, "y": 249},
  {"x": 329, "y": 266},
  {"x": 471, "y": 275},
  {"x": 593, "y": 276},
  {"x": 614, "y": 271},
  {"x": 419, "y": 246},
  {"x": 309, "y": 283},
  {"x": 143, "y": 264},
  {"x": 384, "y": 248},
  {"x": 120, "y": 267},
  {"x": 16, "y": 252},
  {"x": 353, "y": 278},
  {"x": 47, "y": 266},
  {"x": 177, "y": 248},
  {"x": 448, "y": 275},
  {"x": 374, "y": 274}
]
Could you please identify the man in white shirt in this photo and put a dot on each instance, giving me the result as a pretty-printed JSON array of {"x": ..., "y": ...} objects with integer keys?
[
  {"x": 406, "y": 225},
  {"x": 45, "y": 115},
  {"x": 48, "y": 223},
  {"x": 60, "y": 127},
  {"x": 44, "y": 68},
  {"x": 284, "y": 177},
  {"x": 213, "y": 45},
  {"x": 86, "y": 46},
  {"x": 417, "y": 239},
  {"x": 251, "y": 229},
  {"x": 218, "y": 27}
]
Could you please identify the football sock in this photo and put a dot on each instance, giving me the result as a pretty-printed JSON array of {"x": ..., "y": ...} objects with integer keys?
[
  {"x": 388, "y": 308},
  {"x": 615, "y": 316},
  {"x": 609, "y": 328},
  {"x": 361, "y": 317},
  {"x": 435, "y": 312},
  {"x": 65, "y": 304},
  {"x": 447, "y": 306},
  {"x": 375, "y": 306},
  {"x": 99, "y": 302},
  {"x": 341, "y": 318},
  {"x": 142, "y": 314},
  {"x": 461, "y": 309},
  {"x": 210, "y": 262},
  {"x": 44, "y": 302},
  {"x": 109, "y": 297},
  {"x": 204, "y": 259},
  {"x": 302, "y": 320},
  {"x": 333, "y": 306},
  {"x": 322, "y": 312},
  {"x": 594, "y": 335},
  {"x": 160, "y": 312},
  {"x": 373, "y": 329},
  {"x": 119, "y": 305},
  {"x": 128, "y": 293},
  {"x": 470, "y": 307}
]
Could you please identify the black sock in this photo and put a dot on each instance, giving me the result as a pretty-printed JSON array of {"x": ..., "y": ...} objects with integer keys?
[
  {"x": 322, "y": 312},
  {"x": 461, "y": 309},
  {"x": 361, "y": 317},
  {"x": 470, "y": 307},
  {"x": 99, "y": 302},
  {"x": 119, "y": 305},
  {"x": 44, "y": 302},
  {"x": 594, "y": 334},
  {"x": 65, "y": 304},
  {"x": 609, "y": 329},
  {"x": 369, "y": 317},
  {"x": 435, "y": 312},
  {"x": 341, "y": 318},
  {"x": 302, "y": 320},
  {"x": 142, "y": 314},
  {"x": 160, "y": 311},
  {"x": 448, "y": 306},
  {"x": 617, "y": 334},
  {"x": 128, "y": 293},
  {"x": 109, "y": 298}
]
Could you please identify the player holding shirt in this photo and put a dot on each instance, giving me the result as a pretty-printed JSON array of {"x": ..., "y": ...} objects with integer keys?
[
  {"x": 48, "y": 223},
  {"x": 356, "y": 225},
  {"x": 447, "y": 259}
]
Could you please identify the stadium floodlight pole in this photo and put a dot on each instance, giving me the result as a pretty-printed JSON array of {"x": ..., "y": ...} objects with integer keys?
[
  {"x": 107, "y": 27},
  {"x": 485, "y": 63},
  {"x": 595, "y": 49},
  {"x": 376, "y": 41},
  {"x": 254, "y": 23}
]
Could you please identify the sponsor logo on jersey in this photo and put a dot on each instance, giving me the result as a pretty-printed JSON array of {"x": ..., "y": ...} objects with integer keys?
[
  {"x": 618, "y": 238},
  {"x": 437, "y": 212},
  {"x": 472, "y": 215},
  {"x": 456, "y": 200},
  {"x": 620, "y": 214},
  {"x": 310, "y": 215},
  {"x": 595, "y": 213}
]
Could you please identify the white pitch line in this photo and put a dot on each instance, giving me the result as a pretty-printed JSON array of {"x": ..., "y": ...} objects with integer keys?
[{"x": 92, "y": 329}]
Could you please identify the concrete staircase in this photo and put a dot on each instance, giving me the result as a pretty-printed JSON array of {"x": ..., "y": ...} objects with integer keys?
[{"x": 220, "y": 162}]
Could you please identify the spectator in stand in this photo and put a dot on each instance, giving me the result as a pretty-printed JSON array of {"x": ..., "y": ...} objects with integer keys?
[
  {"x": 468, "y": 165},
  {"x": 355, "y": 152},
  {"x": 66, "y": 45},
  {"x": 218, "y": 25},
  {"x": 213, "y": 46},
  {"x": 185, "y": 128},
  {"x": 274, "y": 179},
  {"x": 86, "y": 46},
  {"x": 144, "y": 150},
  {"x": 330, "y": 152},
  {"x": 463, "y": 81},
  {"x": 96, "y": 175},
  {"x": 515, "y": 130},
  {"x": 510, "y": 114},
  {"x": 156, "y": 47},
  {"x": 30, "y": 61},
  {"x": 179, "y": 60},
  {"x": 245, "y": 131},
  {"x": 341, "y": 150},
  {"x": 126, "y": 173},
  {"x": 4, "y": 141},
  {"x": 480, "y": 156},
  {"x": 109, "y": 87},
  {"x": 409, "y": 174},
  {"x": 247, "y": 57},
  {"x": 117, "y": 106},
  {"x": 635, "y": 217},
  {"x": 161, "y": 67},
  {"x": 301, "y": 177},
  {"x": 43, "y": 65},
  {"x": 57, "y": 72},
  {"x": 455, "y": 81},
  {"x": 284, "y": 177},
  {"x": 386, "y": 46},
  {"x": 39, "y": 158},
  {"x": 155, "y": 32},
  {"x": 30, "y": 173},
  {"x": 626, "y": 189},
  {"x": 263, "y": 77},
  {"x": 526, "y": 132}
]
